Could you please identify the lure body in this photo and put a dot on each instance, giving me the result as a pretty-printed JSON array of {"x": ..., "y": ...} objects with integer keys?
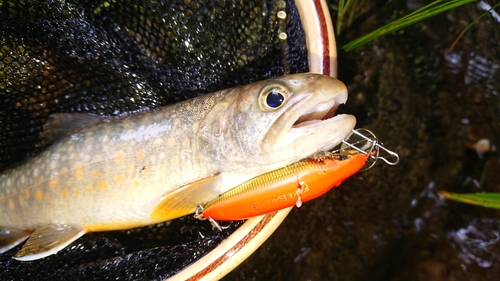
[{"x": 296, "y": 183}]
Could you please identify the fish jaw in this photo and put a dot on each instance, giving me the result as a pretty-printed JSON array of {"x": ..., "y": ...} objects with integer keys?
[
  {"x": 310, "y": 124},
  {"x": 316, "y": 136},
  {"x": 248, "y": 138}
]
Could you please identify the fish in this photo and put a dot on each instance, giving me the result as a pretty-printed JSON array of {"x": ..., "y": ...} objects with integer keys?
[
  {"x": 282, "y": 188},
  {"x": 158, "y": 165}
]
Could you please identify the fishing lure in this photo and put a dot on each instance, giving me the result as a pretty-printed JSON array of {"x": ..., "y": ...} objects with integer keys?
[{"x": 298, "y": 182}]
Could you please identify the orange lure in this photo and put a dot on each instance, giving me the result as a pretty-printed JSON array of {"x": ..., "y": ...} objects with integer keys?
[{"x": 296, "y": 183}]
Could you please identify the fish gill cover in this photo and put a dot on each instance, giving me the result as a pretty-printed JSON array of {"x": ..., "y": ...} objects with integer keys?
[{"x": 116, "y": 57}]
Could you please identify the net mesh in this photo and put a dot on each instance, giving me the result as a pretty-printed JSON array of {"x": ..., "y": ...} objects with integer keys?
[
  {"x": 112, "y": 58},
  {"x": 116, "y": 57}
]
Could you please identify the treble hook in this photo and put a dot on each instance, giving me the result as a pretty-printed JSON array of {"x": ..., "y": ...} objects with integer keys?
[
  {"x": 364, "y": 141},
  {"x": 215, "y": 225}
]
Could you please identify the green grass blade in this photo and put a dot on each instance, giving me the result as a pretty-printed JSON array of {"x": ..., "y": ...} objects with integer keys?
[
  {"x": 352, "y": 12},
  {"x": 470, "y": 25},
  {"x": 340, "y": 11},
  {"x": 490, "y": 200},
  {"x": 425, "y": 12}
]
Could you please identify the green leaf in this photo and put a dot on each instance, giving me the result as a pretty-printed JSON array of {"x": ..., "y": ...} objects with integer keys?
[
  {"x": 470, "y": 25},
  {"x": 491, "y": 200},
  {"x": 425, "y": 12}
]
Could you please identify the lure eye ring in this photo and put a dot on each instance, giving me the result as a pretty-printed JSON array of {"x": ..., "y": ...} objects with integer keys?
[{"x": 272, "y": 97}]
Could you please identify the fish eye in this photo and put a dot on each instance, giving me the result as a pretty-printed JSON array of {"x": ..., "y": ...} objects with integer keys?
[
  {"x": 272, "y": 98},
  {"x": 275, "y": 98}
]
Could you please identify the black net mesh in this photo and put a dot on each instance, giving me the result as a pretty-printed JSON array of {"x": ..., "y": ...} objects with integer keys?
[{"x": 116, "y": 57}]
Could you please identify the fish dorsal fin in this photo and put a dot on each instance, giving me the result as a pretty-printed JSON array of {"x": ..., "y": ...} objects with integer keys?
[
  {"x": 9, "y": 238},
  {"x": 48, "y": 240},
  {"x": 184, "y": 200},
  {"x": 62, "y": 124}
]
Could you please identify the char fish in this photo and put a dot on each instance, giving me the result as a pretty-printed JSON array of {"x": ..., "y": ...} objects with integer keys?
[{"x": 161, "y": 164}]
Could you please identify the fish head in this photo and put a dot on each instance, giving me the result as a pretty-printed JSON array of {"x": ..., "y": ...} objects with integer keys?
[{"x": 269, "y": 124}]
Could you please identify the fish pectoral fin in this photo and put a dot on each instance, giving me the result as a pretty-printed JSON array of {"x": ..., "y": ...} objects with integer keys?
[
  {"x": 48, "y": 240},
  {"x": 9, "y": 238},
  {"x": 184, "y": 200},
  {"x": 63, "y": 124}
]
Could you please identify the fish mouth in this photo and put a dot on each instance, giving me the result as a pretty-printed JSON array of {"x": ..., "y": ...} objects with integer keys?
[
  {"x": 311, "y": 125},
  {"x": 315, "y": 111},
  {"x": 315, "y": 115}
]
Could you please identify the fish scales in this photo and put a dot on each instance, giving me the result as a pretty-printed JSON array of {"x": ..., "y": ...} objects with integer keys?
[
  {"x": 159, "y": 165},
  {"x": 129, "y": 164}
]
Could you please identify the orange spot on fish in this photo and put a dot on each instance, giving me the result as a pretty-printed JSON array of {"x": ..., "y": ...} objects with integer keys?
[
  {"x": 11, "y": 203},
  {"x": 95, "y": 173},
  {"x": 102, "y": 185},
  {"x": 21, "y": 200},
  {"x": 141, "y": 154},
  {"x": 89, "y": 189},
  {"x": 4, "y": 198},
  {"x": 185, "y": 143},
  {"x": 119, "y": 178},
  {"x": 78, "y": 171},
  {"x": 171, "y": 141},
  {"x": 63, "y": 172},
  {"x": 145, "y": 170},
  {"x": 52, "y": 182},
  {"x": 175, "y": 160},
  {"x": 160, "y": 171},
  {"x": 137, "y": 183},
  {"x": 27, "y": 192},
  {"x": 64, "y": 193},
  {"x": 47, "y": 196},
  {"x": 38, "y": 195},
  {"x": 119, "y": 157},
  {"x": 196, "y": 125},
  {"x": 77, "y": 192},
  {"x": 41, "y": 179}
]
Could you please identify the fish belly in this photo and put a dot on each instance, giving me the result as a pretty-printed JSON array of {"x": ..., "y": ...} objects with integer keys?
[{"x": 106, "y": 178}]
